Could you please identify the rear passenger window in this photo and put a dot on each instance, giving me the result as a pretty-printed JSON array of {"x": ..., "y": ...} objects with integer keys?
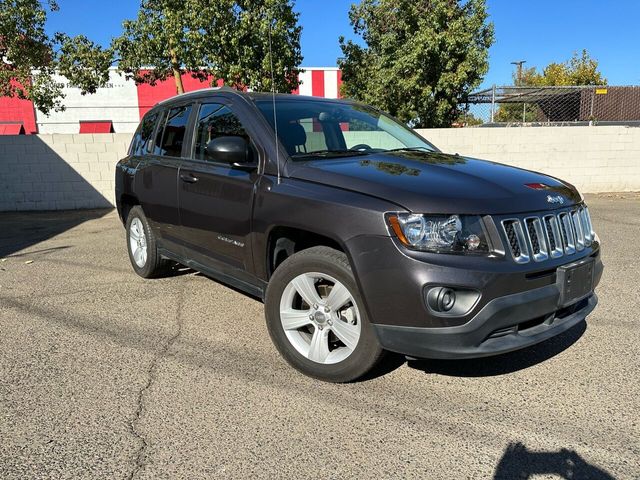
[
  {"x": 215, "y": 120},
  {"x": 142, "y": 139},
  {"x": 174, "y": 131}
]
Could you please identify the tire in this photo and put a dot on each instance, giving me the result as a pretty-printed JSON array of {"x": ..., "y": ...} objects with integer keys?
[
  {"x": 337, "y": 318},
  {"x": 141, "y": 245}
]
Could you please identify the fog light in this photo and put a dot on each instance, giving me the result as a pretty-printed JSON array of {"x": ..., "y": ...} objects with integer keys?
[
  {"x": 450, "y": 301},
  {"x": 446, "y": 299}
]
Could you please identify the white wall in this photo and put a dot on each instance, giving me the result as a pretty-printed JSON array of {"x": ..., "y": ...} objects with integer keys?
[
  {"x": 118, "y": 102},
  {"x": 594, "y": 159}
]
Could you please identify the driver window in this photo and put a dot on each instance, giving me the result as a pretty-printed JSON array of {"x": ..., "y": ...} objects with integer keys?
[{"x": 215, "y": 120}]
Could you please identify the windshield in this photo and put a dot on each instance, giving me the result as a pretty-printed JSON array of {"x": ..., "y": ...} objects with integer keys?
[{"x": 324, "y": 129}]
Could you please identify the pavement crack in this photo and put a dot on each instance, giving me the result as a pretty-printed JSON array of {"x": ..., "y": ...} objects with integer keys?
[{"x": 161, "y": 354}]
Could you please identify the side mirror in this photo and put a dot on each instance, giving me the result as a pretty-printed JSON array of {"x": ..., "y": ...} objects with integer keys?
[{"x": 232, "y": 150}]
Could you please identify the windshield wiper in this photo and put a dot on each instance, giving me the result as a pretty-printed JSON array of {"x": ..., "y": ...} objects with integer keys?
[
  {"x": 327, "y": 153},
  {"x": 408, "y": 148}
]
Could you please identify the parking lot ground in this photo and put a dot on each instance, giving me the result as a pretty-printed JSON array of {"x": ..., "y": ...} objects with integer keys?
[{"x": 106, "y": 375}]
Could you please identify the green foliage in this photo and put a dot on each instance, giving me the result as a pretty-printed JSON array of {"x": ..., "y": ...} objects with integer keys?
[
  {"x": 421, "y": 57},
  {"x": 468, "y": 119},
  {"x": 514, "y": 112},
  {"x": 580, "y": 69},
  {"x": 30, "y": 57},
  {"x": 83, "y": 62},
  {"x": 227, "y": 39}
]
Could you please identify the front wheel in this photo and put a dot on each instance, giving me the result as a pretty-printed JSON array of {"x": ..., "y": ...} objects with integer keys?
[{"x": 316, "y": 318}]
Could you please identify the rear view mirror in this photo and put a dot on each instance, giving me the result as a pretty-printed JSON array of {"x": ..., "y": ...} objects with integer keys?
[{"x": 230, "y": 149}]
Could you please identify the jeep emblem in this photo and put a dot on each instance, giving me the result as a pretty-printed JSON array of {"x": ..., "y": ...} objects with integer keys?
[{"x": 556, "y": 199}]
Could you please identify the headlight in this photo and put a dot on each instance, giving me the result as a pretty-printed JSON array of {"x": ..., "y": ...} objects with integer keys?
[{"x": 440, "y": 233}]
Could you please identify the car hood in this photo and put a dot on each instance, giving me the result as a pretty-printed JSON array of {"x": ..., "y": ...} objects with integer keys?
[{"x": 433, "y": 182}]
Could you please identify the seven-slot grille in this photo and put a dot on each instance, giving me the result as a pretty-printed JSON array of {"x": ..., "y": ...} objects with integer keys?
[{"x": 549, "y": 236}]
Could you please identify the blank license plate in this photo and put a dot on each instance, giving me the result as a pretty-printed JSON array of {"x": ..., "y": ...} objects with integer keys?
[{"x": 575, "y": 281}]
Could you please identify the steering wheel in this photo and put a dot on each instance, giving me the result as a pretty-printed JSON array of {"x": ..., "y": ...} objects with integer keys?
[{"x": 360, "y": 147}]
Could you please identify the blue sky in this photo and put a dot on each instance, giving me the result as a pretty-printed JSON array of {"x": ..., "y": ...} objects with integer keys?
[{"x": 539, "y": 31}]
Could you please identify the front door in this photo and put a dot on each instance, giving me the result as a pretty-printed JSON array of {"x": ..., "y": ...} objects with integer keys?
[{"x": 216, "y": 198}]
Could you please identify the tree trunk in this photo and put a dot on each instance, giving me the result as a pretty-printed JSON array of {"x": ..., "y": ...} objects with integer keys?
[{"x": 177, "y": 75}]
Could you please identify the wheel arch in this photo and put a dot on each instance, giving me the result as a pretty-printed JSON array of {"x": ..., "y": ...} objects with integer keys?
[{"x": 283, "y": 241}]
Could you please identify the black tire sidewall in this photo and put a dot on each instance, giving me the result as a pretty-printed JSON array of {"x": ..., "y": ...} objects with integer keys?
[
  {"x": 150, "y": 268},
  {"x": 333, "y": 263}
]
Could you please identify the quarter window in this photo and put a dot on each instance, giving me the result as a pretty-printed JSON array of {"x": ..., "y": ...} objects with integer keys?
[
  {"x": 142, "y": 139},
  {"x": 174, "y": 131},
  {"x": 215, "y": 120}
]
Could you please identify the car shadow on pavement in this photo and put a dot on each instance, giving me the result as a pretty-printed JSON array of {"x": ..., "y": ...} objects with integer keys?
[
  {"x": 488, "y": 366},
  {"x": 520, "y": 463},
  {"x": 21, "y": 230}
]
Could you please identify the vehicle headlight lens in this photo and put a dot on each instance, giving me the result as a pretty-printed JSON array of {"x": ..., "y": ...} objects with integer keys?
[{"x": 440, "y": 233}]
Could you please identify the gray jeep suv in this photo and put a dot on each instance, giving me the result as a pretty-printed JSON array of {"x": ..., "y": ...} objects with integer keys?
[{"x": 359, "y": 235}]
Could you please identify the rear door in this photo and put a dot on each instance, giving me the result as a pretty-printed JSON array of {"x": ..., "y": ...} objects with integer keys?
[
  {"x": 216, "y": 198},
  {"x": 157, "y": 175}
]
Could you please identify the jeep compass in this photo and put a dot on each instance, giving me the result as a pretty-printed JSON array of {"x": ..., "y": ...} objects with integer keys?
[{"x": 358, "y": 234}]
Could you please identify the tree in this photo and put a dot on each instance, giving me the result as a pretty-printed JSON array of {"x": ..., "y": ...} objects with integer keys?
[
  {"x": 30, "y": 57},
  {"x": 220, "y": 39},
  {"x": 580, "y": 69},
  {"x": 421, "y": 58}
]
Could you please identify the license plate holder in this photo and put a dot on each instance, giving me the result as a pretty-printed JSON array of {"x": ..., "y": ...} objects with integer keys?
[{"x": 575, "y": 281}]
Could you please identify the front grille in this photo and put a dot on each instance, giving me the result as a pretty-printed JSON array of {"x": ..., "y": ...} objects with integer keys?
[{"x": 554, "y": 236}]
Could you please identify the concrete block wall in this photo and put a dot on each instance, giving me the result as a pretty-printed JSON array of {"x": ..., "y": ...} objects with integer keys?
[
  {"x": 594, "y": 159},
  {"x": 59, "y": 172}
]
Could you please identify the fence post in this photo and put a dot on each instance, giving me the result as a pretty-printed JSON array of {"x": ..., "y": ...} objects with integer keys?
[
  {"x": 593, "y": 96},
  {"x": 493, "y": 101}
]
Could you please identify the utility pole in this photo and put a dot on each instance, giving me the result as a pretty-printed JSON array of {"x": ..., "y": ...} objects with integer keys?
[{"x": 519, "y": 64}]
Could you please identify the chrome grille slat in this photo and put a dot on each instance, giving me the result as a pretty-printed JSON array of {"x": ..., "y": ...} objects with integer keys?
[
  {"x": 577, "y": 228},
  {"x": 537, "y": 239},
  {"x": 553, "y": 236},
  {"x": 549, "y": 236},
  {"x": 586, "y": 227},
  {"x": 515, "y": 235},
  {"x": 568, "y": 238}
]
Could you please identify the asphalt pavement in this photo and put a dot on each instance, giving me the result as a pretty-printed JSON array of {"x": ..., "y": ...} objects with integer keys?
[{"x": 106, "y": 375}]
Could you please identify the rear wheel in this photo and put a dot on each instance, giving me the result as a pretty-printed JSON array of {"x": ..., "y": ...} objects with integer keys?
[
  {"x": 141, "y": 245},
  {"x": 316, "y": 318}
]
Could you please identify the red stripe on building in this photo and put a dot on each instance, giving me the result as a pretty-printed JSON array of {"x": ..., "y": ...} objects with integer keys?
[
  {"x": 15, "y": 110},
  {"x": 317, "y": 90},
  {"x": 99, "y": 126},
  {"x": 149, "y": 95},
  {"x": 11, "y": 129},
  {"x": 317, "y": 83},
  {"x": 339, "y": 83}
]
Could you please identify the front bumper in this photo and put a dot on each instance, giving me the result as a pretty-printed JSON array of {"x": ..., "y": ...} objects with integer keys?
[
  {"x": 503, "y": 325},
  {"x": 518, "y": 306}
]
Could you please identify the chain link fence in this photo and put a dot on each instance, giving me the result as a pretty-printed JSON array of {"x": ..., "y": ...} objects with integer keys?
[{"x": 532, "y": 106}]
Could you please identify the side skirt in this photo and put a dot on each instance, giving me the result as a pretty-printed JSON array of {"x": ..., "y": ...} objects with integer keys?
[{"x": 256, "y": 289}]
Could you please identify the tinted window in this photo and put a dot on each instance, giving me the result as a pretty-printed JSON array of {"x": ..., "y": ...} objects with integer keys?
[
  {"x": 174, "y": 131},
  {"x": 157, "y": 143},
  {"x": 142, "y": 139},
  {"x": 215, "y": 120}
]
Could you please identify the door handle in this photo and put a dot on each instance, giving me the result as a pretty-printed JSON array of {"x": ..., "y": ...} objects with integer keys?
[{"x": 187, "y": 177}]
